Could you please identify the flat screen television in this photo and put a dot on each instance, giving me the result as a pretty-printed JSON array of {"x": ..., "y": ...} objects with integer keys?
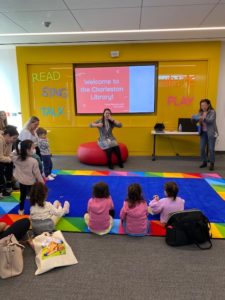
[{"x": 125, "y": 88}]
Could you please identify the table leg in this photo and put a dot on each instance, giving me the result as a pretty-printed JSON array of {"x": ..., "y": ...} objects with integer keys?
[{"x": 153, "y": 154}]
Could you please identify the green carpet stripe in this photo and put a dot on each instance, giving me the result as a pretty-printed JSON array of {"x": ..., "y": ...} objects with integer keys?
[
  {"x": 221, "y": 228},
  {"x": 71, "y": 224},
  {"x": 154, "y": 174},
  {"x": 218, "y": 188}
]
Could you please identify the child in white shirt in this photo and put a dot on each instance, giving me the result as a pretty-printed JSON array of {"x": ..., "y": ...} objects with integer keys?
[{"x": 44, "y": 215}]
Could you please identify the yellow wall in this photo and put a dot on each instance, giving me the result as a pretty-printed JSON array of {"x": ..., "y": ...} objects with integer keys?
[{"x": 187, "y": 73}]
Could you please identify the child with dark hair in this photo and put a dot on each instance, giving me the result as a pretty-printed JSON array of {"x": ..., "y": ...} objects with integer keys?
[
  {"x": 168, "y": 205},
  {"x": 26, "y": 170},
  {"x": 45, "y": 153},
  {"x": 45, "y": 215},
  {"x": 100, "y": 206},
  {"x": 134, "y": 212},
  {"x": 9, "y": 136}
]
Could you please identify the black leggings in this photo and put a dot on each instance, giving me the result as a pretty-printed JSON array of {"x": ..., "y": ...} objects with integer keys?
[
  {"x": 6, "y": 171},
  {"x": 24, "y": 191},
  {"x": 18, "y": 228},
  {"x": 117, "y": 152}
]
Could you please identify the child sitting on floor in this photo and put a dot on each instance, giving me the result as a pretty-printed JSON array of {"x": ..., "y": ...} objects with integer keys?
[
  {"x": 44, "y": 215},
  {"x": 134, "y": 212},
  {"x": 100, "y": 208},
  {"x": 168, "y": 205}
]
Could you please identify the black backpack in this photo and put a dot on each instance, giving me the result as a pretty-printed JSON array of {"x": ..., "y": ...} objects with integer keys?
[{"x": 188, "y": 227}]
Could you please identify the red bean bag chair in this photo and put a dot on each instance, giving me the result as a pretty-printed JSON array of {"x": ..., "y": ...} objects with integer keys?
[{"x": 91, "y": 154}]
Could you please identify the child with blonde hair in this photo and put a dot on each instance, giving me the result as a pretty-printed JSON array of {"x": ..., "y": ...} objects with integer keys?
[
  {"x": 134, "y": 212},
  {"x": 100, "y": 208},
  {"x": 168, "y": 205},
  {"x": 3, "y": 121},
  {"x": 45, "y": 215}
]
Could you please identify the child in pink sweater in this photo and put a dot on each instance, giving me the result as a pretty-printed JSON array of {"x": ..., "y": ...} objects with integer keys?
[
  {"x": 134, "y": 212},
  {"x": 100, "y": 208},
  {"x": 26, "y": 170},
  {"x": 168, "y": 205}
]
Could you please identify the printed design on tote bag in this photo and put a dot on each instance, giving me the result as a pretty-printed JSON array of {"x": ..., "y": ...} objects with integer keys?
[{"x": 52, "y": 247}]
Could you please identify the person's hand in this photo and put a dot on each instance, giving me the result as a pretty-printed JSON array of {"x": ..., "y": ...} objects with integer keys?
[
  {"x": 156, "y": 197},
  {"x": 204, "y": 114},
  {"x": 100, "y": 125},
  {"x": 111, "y": 118}
]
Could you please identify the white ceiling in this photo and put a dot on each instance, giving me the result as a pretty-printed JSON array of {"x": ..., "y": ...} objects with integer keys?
[{"x": 79, "y": 21}]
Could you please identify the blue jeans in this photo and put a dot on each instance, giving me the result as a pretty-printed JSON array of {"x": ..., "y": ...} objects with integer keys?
[
  {"x": 207, "y": 143},
  {"x": 47, "y": 162}
]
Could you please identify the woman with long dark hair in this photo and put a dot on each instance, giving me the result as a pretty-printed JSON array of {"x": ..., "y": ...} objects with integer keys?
[
  {"x": 107, "y": 141},
  {"x": 208, "y": 133}
]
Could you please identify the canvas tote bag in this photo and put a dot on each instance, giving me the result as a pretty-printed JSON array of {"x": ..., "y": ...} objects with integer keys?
[
  {"x": 52, "y": 251},
  {"x": 11, "y": 257}
]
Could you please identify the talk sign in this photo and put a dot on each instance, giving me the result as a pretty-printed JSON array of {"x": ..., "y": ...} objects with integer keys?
[{"x": 51, "y": 93}]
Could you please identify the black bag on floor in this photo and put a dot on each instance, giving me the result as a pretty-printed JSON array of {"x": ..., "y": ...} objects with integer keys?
[{"x": 188, "y": 227}]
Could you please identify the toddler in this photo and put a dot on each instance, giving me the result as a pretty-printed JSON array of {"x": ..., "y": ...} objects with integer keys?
[
  {"x": 168, "y": 205},
  {"x": 44, "y": 215},
  {"x": 45, "y": 153},
  {"x": 100, "y": 206},
  {"x": 134, "y": 212}
]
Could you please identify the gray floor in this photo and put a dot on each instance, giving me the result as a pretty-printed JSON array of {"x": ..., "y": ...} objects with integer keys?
[{"x": 121, "y": 267}]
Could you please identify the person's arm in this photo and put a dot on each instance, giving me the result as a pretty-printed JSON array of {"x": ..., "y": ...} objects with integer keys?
[
  {"x": 210, "y": 117},
  {"x": 115, "y": 123},
  {"x": 89, "y": 205},
  {"x": 111, "y": 202},
  {"x": 25, "y": 135},
  {"x": 3, "y": 158},
  {"x": 123, "y": 212},
  {"x": 97, "y": 124},
  {"x": 36, "y": 171},
  {"x": 155, "y": 205},
  {"x": 56, "y": 211}
]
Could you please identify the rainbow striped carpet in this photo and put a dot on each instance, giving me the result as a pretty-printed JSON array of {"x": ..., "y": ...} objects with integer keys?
[{"x": 203, "y": 191}]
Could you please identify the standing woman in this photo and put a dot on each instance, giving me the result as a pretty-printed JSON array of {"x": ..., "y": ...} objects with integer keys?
[
  {"x": 208, "y": 133},
  {"x": 29, "y": 133},
  {"x": 107, "y": 141},
  {"x": 3, "y": 121}
]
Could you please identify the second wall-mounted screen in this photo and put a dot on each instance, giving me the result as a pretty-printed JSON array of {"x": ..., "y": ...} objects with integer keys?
[{"x": 122, "y": 88}]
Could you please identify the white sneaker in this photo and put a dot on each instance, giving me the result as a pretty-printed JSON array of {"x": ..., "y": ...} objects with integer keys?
[
  {"x": 21, "y": 212},
  {"x": 53, "y": 175},
  {"x": 66, "y": 207},
  {"x": 50, "y": 178},
  {"x": 56, "y": 203}
]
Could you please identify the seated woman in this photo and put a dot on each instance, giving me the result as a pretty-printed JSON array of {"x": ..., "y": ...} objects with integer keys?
[
  {"x": 107, "y": 141},
  {"x": 18, "y": 228}
]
